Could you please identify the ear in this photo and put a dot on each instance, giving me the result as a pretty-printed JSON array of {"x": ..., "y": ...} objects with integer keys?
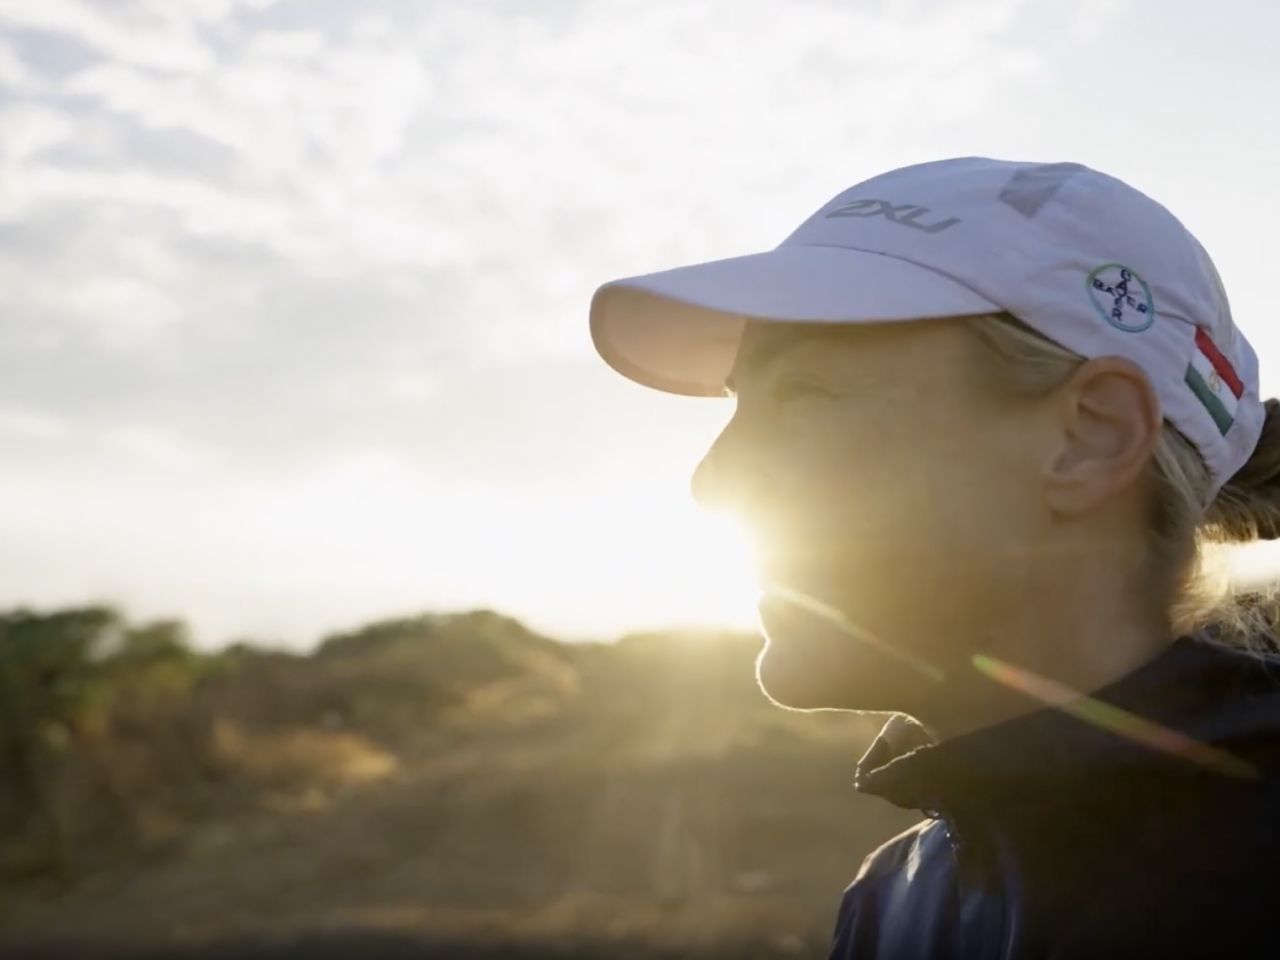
[{"x": 1110, "y": 421}]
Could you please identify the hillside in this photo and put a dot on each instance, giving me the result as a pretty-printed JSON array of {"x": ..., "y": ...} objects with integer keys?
[{"x": 437, "y": 780}]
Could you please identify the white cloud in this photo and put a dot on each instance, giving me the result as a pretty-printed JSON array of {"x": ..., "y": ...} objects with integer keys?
[
  {"x": 469, "y": 135},
  {"x": 155, "y": 448},
  {"x": 123, "y": 311},
  {"x": 14, "y": 74},
  {"x": 26, "y": 129},
  {"x": 245, "y": 238},
  {"x": 20, "y": 423},
  {"x": 152, "y": 35}
]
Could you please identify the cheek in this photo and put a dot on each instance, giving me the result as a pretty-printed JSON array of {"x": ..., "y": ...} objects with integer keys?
[
  {"x": 867, "y": 485},
  {"x": 972, "y": 521},
  {"x": 845, "y": 474}
]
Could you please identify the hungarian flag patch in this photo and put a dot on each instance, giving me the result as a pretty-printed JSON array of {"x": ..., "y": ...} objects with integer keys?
[{"x": 1213, "y": 380}]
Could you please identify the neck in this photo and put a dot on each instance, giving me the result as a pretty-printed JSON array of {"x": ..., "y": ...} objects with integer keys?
[{"x": 1075, "y": 624}]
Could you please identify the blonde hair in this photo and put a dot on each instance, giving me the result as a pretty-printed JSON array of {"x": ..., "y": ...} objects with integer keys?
[{"x": 1183, "y": 535}]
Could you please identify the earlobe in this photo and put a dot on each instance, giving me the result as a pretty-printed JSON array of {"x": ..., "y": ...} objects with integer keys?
[{"x": 1109, "y": 420}]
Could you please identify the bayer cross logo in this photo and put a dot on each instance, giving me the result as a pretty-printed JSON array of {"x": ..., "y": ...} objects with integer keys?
[{"x": 1122, "y": 298}]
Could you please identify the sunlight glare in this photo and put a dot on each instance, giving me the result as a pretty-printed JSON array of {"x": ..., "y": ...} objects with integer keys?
[{"x": 638, "y": 555}]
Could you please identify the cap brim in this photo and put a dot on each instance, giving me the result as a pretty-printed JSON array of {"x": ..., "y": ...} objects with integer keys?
[{"x": 678, "y": 330}]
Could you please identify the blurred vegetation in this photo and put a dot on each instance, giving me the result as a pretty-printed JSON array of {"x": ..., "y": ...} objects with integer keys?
[
  {"x": 114, "y": 735},
  {"x": 458, "y": 773},
  {"x": 69, "y": 681}
]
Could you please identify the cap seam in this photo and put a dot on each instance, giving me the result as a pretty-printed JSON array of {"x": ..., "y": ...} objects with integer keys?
[{"x": 914, "y": 263}]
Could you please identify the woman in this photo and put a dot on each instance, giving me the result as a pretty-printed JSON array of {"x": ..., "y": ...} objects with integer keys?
[{"x": 989, "y": 414}]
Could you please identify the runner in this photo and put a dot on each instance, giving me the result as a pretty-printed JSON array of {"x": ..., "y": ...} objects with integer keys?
[{"x": 989, "y": 414}]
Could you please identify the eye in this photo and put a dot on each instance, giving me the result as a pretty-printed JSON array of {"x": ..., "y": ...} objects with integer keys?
[{"x": 787, "y": 389}]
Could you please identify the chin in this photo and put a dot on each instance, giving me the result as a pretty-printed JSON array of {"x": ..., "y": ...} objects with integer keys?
[
  {"x": 791, "y": 685},
  {"x": 802, "y": 668}
]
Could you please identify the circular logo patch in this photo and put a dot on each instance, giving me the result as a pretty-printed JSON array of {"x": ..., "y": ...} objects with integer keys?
[{"x": 1122, "y": 298}]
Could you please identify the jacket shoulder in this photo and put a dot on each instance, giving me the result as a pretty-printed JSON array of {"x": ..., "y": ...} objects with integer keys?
[
  {"x": 902, "y": 853},
  {"x": 889, "y": 869},
  {"x": 898, "y": 904}
]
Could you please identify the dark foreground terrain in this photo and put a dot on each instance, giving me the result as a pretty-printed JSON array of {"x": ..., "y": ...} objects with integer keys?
[
  {"x": 342, "y": 945},
  {"x": 442, "y": 787}
]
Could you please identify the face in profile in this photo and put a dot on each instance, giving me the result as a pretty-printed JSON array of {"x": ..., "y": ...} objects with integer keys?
[{"x": 888, "y": 498}]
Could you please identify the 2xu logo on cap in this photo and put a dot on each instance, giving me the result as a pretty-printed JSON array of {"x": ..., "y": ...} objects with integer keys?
[{"x": 903, "y": 214}]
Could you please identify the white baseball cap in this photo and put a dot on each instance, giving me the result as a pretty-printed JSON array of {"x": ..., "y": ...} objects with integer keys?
[{"x": 1082, "y": 258}]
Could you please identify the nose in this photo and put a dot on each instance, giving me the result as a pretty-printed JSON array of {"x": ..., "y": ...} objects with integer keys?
[{"x": 729, "y": 479}]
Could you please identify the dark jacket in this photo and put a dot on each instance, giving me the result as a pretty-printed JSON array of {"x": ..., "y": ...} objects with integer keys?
[{"x": 1051, "y": 837}]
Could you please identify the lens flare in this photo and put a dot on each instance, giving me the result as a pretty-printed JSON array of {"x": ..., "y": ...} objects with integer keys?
[
  {"x": 1102, "y": 715},
  {"x": 1113, "y": 719},
  {"x": 839, "y": 620}
]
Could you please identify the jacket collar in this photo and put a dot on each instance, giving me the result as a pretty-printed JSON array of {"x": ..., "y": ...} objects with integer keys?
[{"x": 1205, "y": 693}]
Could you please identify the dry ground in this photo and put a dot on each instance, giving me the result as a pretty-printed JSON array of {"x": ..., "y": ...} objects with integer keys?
[{"x": 653, "y": 807}]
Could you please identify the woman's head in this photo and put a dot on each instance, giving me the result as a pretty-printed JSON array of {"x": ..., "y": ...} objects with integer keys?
[
  {"x": 951, "y": 481},
  {"x": 961, "y": 487}
]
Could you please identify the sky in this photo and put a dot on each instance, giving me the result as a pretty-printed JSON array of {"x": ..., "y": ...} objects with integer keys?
[{"x": 293, "y": 293}]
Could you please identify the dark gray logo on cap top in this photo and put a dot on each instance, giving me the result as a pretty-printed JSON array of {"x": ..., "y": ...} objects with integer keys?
[
  {"x": 1030, "y": 189},
  {"x": 903, "y": 214}
]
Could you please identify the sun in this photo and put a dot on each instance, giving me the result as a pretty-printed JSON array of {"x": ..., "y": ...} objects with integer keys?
[
  {"x": 727, "y": 579},
  {"x": 676, "y": 563},
  {"x": 640, "y": 555}
]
